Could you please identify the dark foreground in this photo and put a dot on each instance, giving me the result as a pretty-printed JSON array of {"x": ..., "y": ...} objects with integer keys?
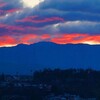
[{"x": 69, "y": 84}]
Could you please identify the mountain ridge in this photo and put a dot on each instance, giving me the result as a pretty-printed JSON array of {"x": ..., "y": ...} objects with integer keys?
[
  {"x": 23, "y": 58},
  {"x": 43, "y": 42}
]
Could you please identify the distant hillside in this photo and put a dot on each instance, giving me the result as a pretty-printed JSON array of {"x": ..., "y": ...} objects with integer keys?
[{"x": 23, "y": 58}]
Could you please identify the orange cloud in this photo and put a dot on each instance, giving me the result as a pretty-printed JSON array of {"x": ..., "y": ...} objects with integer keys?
[
  {"x": 76, "y": 38},
  {"x": 28, "y": 39},
  {"x": 45, "y": 36},
  {"x": 7, "y": 41}
]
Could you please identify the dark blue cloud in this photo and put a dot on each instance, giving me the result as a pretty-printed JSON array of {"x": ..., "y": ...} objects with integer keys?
[{"x": 91, "y": 6}]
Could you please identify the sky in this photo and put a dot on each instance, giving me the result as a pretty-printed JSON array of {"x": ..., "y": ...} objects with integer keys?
[{"x": 57, "y": 21}]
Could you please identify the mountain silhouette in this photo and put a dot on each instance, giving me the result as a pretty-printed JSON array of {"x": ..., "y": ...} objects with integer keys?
[{"x": 24, "y": 58}]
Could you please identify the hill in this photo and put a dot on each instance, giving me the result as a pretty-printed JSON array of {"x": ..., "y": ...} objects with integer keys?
[{"x": 24, "y": 58}]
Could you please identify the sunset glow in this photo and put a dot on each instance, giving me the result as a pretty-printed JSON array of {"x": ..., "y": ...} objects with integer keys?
[
  {"x": 7, "y": 41},
  {"x": 54, "y": 21}
]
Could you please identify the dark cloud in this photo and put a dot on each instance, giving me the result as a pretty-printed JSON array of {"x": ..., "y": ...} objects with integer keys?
[{"x": 91, "y": 6}]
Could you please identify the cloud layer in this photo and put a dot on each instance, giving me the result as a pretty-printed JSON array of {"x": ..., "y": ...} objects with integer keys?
[{"x": 58, "y": 21}]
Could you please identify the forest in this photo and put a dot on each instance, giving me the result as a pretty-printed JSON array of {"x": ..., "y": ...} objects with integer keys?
[{"x": 85, "y": 83}]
